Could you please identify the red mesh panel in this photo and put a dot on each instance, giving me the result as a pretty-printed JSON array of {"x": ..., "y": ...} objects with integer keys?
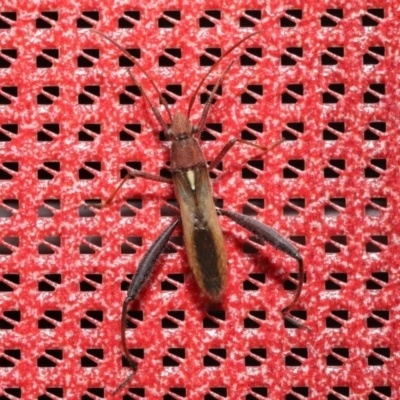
[{"x": 324, "y": 76}]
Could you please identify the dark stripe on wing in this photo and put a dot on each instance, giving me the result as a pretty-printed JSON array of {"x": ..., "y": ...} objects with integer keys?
[{"x": 207, "y": 256}]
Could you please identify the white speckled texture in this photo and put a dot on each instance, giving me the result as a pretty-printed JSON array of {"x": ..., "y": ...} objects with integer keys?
[{"x": 344, "y": 214}]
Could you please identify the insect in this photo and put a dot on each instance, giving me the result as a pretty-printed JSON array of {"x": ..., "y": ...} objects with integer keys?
[{"x": 199, "y": 217}]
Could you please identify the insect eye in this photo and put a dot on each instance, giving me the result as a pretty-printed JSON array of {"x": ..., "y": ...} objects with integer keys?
[
  {"x": 169, "y": 133},
  {"x": 195, "y": 128}
]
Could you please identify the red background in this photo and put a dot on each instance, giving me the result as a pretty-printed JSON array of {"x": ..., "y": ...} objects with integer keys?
[{"x": 61, "y": 340}]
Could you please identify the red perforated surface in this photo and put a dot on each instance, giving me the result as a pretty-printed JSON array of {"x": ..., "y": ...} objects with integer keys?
[{"x": 324, "y": 76}]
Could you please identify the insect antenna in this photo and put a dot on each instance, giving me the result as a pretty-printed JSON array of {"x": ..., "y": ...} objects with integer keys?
[
  {"x": 214, "y": 66},
  {"x": 137, "y": 63},
  {"x": 209, "y": 101}
]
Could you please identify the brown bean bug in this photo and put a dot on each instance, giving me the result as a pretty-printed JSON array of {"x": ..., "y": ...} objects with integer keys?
[{"x": 202, "y": 233}]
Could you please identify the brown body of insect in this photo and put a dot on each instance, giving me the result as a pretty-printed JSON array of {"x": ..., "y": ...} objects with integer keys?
[{"x": 202, "y": 233}]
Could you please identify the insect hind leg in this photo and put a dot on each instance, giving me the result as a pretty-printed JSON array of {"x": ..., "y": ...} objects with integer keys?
[{"x": 276, "y": 240}]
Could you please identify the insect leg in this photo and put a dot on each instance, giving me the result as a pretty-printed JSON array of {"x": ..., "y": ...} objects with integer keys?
[
  {"x": 140, "y": 278},
  {"x": 275, "y": 239},
  {"x": 139, "y": 174},
  {"x": 231, "y": 143}
]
